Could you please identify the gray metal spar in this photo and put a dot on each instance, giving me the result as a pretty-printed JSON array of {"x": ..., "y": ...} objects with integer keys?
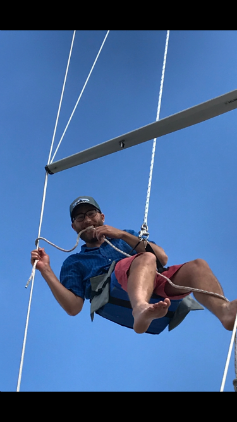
[{"x": 181, "y": 120}]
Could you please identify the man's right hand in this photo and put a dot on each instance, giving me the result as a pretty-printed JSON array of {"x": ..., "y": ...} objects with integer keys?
[
  {"x": 41, "y": 256},
  {"x": 71, "y": 303}
]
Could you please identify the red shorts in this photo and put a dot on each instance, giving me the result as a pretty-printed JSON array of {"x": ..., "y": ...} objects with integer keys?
[{"x": 121, "y": 271}]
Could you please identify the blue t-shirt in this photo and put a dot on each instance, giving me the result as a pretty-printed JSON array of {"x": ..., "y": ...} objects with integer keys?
[{"x": 78, "y": 268}]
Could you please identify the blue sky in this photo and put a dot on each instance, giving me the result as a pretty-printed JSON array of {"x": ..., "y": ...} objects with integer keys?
[{"x": 192, "y": 210}]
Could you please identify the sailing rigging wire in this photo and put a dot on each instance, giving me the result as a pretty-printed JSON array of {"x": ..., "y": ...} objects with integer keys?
[
  {"x": 229, "y": 355},
  {"x": 44, "y": 195},
  {"x": 87, "y": 79},
  {"x": 144, "y": 227},
  {"x": 40, "y": 223}
]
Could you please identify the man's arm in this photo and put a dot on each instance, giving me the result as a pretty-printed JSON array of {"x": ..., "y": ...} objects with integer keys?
[
  {"x": 71, "y": 303},
  {"x": 131, "y": 240}
]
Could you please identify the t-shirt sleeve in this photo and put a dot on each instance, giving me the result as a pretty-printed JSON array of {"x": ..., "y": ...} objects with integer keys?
[{"x": 71, "y": 277}]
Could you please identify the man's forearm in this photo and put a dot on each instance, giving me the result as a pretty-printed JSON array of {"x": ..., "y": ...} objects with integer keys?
[
  {"x": 71, "y": 303},
  {"x": 132, "y": 241}
]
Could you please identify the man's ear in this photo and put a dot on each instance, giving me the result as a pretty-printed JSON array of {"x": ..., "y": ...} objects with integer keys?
[{"x": 103, "y": 217}]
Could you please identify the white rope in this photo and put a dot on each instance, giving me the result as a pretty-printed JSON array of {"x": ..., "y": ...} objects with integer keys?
[
  {"x": 31, "y": 291},
  {"x": 40, "y": 225},
  {"x": 88, "y": 77},
  {"x": 188, "y": 289},
  {"x": 117, "y": 249},
  {"x": 144, "y": 227},
  {"x": 24, "y": 340},
  {"x": 154, "y": 141},
  {"x": 192, "y": 289},
  {"x": 67, "y": 250},
  {"x": 236, "y": 353},
  {"x": 228, "y": 356},
  {"x": 55, "y": 246},
  {"x": 60, "y": 102},
  {"x": 235, "y": 380}
]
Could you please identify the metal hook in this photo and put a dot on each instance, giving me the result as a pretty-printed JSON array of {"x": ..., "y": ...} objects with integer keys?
[{"x": 144, "y": 231}]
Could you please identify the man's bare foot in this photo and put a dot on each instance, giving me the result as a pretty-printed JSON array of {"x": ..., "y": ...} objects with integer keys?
[
  {"x": 145, "y": 313},
  {"x": 229, "y": 314}
]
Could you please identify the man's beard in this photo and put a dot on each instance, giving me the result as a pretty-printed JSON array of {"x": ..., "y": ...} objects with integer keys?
[{"x": 88, "y": 237}]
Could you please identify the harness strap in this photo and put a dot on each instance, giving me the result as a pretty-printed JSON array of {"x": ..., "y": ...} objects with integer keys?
[{"x": 100, "y": 290}]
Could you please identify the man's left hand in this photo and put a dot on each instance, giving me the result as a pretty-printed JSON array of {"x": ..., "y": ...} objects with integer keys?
[{"x": 107, "y": 231}]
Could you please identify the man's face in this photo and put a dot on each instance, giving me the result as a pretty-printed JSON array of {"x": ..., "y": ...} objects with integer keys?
[{"x": 96, "y": 220}]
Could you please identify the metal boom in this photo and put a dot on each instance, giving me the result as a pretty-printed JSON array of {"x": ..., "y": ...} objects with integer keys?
[{"x": 181, "y": 120}]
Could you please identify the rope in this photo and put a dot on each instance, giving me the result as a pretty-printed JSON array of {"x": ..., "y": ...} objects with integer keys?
[
  {"x": 40, "y": 225},
  {"x": 39, "y": 230},
  {"x": 235, "y": 380},
  {"x": 88, "y": 77},
  {"x": 31, "y": 291},
  {"x": 144, "y": 229},
  {"x": 228, "y": 359},
  {"x": 236, "y": 354},
  {"x": 60, "y": 102},
  {"x": 189, "y": 289},
  {"x": 67, "y": 250},
  {"x": 144, "y": 226},
  {"x": 25, "y": 337},
  {"x": 55, "y": 246}
]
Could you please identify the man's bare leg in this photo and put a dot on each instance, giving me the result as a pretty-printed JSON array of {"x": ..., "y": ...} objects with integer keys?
[
  {"x": 198, "y": 274},
  {"x": 140, "y": 288}
]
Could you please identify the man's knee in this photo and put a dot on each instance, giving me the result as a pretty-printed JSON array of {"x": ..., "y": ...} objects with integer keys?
[
  {"x": 146, "y": 258},
  {"x": 198, "y": 265},
  {"x": 149, "y": 257}
]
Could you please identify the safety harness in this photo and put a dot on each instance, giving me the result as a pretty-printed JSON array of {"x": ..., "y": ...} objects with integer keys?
[{"x": 101, "y": 296}]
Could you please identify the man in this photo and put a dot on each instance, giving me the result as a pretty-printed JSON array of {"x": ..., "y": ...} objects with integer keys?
[{"x": 136, "y": 275}]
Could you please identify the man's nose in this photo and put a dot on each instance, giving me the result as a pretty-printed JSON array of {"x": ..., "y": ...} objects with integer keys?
[{"x": 87, "y": 219}]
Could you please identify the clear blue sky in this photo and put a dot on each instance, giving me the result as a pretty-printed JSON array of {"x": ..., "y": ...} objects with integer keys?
[{"x": 192, "y": 209}]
